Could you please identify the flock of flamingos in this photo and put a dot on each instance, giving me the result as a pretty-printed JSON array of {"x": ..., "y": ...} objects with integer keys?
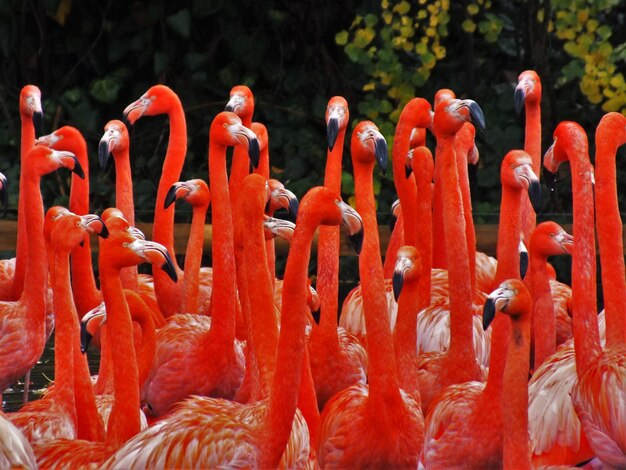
[{"x": 441, "y": 357}]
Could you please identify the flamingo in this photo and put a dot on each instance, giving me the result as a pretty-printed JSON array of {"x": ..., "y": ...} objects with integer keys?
[
  {"x": 57, "y": 417},
  {"x": 396, "y": 239},
  {"x": 22, "y": 322},
  {"x": 483, "y": 425},
  {"x": 555, "y": 429},
  {"x": 241, "y": 102},
  {"x": 458, "y": 364},
  {"x": 12, "y": 271},
  {"x": 86, "y": 294},
  {"x": 547, "y": 239},
  {"x": 196, "y": 193},
  {"x": 336, "y": 357},
  {"x": 180, "y": 366},
  {"x": 161, "y": 99},
  {"x": 280, "y": 197},
  {"x": 15, "y": 451},
  {"x": 210, "y": 432},
  {"x": 376, "y": 424},
  {"x": 120, "y": 249},
  {"x": 528, "y": 96}
]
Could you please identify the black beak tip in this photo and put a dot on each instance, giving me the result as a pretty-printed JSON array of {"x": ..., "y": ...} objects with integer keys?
[
  {"x": 332, "y": 131},
  {"x": 489, "y": 313},
  {"x": 168, "y": 267},
  {"x": 408, "y": 170},
  {"x": 85, "y": 338},
  {"x": 397, "y": 282},
  {"x": 523, "y": 263},
  {"x": 78, "y": 170},
  {"x": 293, "y": 209},
  {"x": 534, "y": 194},
  {"x": 380, "y": 153},
  {"x": 477, "y": 115},
  {"x": 170, "y": 197},
  {"x": 254, "y": 152},
  {"x": 103, "y": 154},
  {"x": 104, "y": 233},
  {"x": 357, "y": 241},
  {"x": 229, "y": 108},
  {"x": 38, "y": 122}
]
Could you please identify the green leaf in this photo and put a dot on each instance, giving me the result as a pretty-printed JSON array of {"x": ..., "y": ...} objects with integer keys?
[
  {"x": 105, "y": 90},
  {"x": 341, "y": 38},
  {"x": 371, "y": 20},
  {"x": 180, "y": 22}
]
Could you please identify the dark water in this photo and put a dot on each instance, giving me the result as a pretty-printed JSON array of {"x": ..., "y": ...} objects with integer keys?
[{"x": 40, "y": 377}]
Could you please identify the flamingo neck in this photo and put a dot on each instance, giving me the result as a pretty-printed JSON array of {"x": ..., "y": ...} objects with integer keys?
[
  {"x": 264, "y": 163},
  {"x": 610, "y": 237},
  {"x": 405, "y": 337},
  {"x": 543, "y": 321},
  {"x": 492, "y": 395},
  {"x": 508, "y": 235},
  {"x": 439, "y": 233},
  {"x": 86, "y": 294},
  {"x": 193, "y": 260},
  {"x": 21, "y": 249},
  {"x": 405, "y": 187},
  {"x": 585, "y": 318},
  {"x": 223, "y": 248},
  {"x": 65, "y": 316},
  {"x": 424, "y": 238},
  {"x": 263, "y": 327},
  {"x": 124, "y": 418},
  {"x": 285, "y": 383},
  {"x": 144, "y": 352},
  {"x": 104, "y": 384},
  {"x": 384, "y": 389},
  {"x": 328, "y": 250},
  {"x": 33, "y": 295},
  {"x": 461, "y": 313},
  {"x": 396, "y": 240},
  {"x": 169, "y": 293},
  {"x": 463, "y": 144},
  {"x": 240, "y": 166},
  {"x": 532, "y": 146},
  {"x": 124, "y": 201},
  {"x": 516, "y": 446}
]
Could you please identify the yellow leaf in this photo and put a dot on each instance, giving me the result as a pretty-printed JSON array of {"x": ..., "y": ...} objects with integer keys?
[
  {"x": 617, "y": 81},
  {"x": 614, "y": 104},
  {"x": 64, "y": 8},
  {"x": 402, "y": 8},
  {"x": 472, "y": 9},
  {"x": 468, "y": 26},
  {"x": 369, "y": 87},
  {"x": 341, "y": 38},
  {"x": 582, "y": 15}
]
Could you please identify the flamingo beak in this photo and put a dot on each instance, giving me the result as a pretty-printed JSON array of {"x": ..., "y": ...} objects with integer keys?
[
  {"x": 103, "y": 154},
  {"x": 94, "y": 224},
  {"x": 89, "y": 324},
  {"x": 394, "y": 215},
  {"x": 566, "y": 241},
  {"x": 497, "y": 301},
  {"x": 38, "y": 121},
  {"x": 157, "y": 255},
  {"x": 278, "y": 228},
  {"x": 69, "y": 160},
  {"x": 549, "y": 161},
  {"x": 136, "y": 109},
  {"x": 287, "y": 200},
  {"x": 523, "y": 259},
  {"x": 380, "y": 153},
  {"x": 476, "y": 114},
  {"x": 402, "y": 265},
  {"x": 173, "y": 193},
  {"x": 235, "y": 101},
  {"x": 353, "y": 225},
  {"x": 332, "y": 131}
]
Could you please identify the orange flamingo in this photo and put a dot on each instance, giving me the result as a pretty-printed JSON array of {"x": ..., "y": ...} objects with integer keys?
[
  {"x": 458, "y": 364},
  {"x": 57, "y": 417},
  {"x": 22, "y": 330},
  {"x": 472, "y": 424},
  {"x": 555, "y": 429},
  {"x": 86, "y": 294},
  {"x": 280, "y": 197},
  {"x": 161, "y": 99},
  {"x": 547, "y": 239},
  {"x": 12, "y": 271},
  {"x": 180, "y": 365},
  {"x": 121, "y": 249},
  {"x": 375, "y": 424},
  {"x": 241, "y": 102},
  {"x": 336, "y": 357},
  {"x": 15, "y": 451},
  {"x": 196, "y": 193},
  {"x": 528, "y": 96},
  {"x": 212, "y": 432}
]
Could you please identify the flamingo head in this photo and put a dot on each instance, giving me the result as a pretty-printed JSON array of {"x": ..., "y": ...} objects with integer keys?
[
  {"x": 368, "y": 144},
  {"x": 195, "y": 192},
  {"x": 281, "y": 197},
  {"x": 395, "y": 213},
  {"x": 516, "y": 171},
  {"x": 511, "y": 297},
  {"x": 549, "y": 239},
  {"x": 273, "y": 228},
  {"x": 64, "y": 230},
  {"x": 567, "y": 135},
  {"x": 407, "y": 268},
  {"x": 115, "y": 138},
  {"x": 444, "y": 94},
  {"x": 159, "y": 99},
  {"x": 227, "y": 130},
  {"x": 45, "y": 160},
  {"x": 337, "y": 117},
  {"x": 30, "y": 106},
  {"x": 528, "y": 89},
  {"x": 451, "y": 114},
  {"x": 241, "y": 102},
  {"x": 90, "y": 326}
]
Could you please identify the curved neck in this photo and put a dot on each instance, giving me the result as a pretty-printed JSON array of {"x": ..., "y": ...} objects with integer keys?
[
  {"x": 463, "y": 143},
  {"x": 124, "y": 201},
  {"x": 283, "y": 401},
  {"x": 383, "y": 378},
  {"x": 405, "y": 337},
  {"x": 240, "y": 166},
  {"x": 145, "y": 352},
  {"x": 65, "y": 316},
  {"x": 585, "y": 319},
  {"x": 264, "y": 163},
  {"x": 124, "y": 418},
  {"x": 543, "y": 321},
  {"x": 168, "y": 292},
  {"x": 193, "y": 261},
  {"x": 610, "y": 239},
  {"x": 461, "y": 334},
  {"x": 424, "y": 213},
  {"x": 516, "y": 446},
  {"x": 21, "y": 249},
  {"x": 405, "y": 187},
  {"x": 439, "y": 234},
  {"x": 492, "y": 395},
  {"x": 532, "y": 146},
  {"x": 86, "y": 294},
  {"x": 508, "y": 235},
  {"x": 223, "y": 249},
  {"x": 328, "y": 249}
]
